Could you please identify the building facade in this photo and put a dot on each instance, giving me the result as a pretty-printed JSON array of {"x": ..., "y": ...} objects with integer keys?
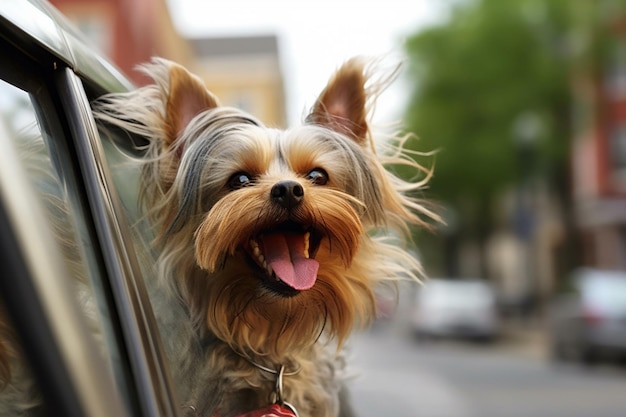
[
  {"x": 244, "y": 72},
  {"x": 599, "y": 146}
]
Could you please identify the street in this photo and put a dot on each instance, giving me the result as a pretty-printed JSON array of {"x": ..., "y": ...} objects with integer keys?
[{"x": 397, "y": 376}]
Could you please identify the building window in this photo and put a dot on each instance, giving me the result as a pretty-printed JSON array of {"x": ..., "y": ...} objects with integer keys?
[
  {"x": 616, "y": 70},
  {"x": 617, "y": 149}
]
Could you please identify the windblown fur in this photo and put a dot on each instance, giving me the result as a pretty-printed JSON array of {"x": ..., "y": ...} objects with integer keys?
[{"x": 214, "y": 184}]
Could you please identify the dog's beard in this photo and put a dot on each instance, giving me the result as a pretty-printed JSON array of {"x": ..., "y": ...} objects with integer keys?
[{"x": 250, "y": 307}]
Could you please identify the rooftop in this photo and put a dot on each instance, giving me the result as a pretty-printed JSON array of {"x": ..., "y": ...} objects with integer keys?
[{"x": 235, "y": 46}]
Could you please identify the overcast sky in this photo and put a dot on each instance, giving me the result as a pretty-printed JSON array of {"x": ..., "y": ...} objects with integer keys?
[{"x": 315, "y": 37}]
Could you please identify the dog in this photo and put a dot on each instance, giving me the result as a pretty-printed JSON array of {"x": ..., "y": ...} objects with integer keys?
[{"x": 271, "y": 243}]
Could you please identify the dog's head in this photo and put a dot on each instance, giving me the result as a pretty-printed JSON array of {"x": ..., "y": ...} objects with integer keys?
[{"x": 266, "y": 232}]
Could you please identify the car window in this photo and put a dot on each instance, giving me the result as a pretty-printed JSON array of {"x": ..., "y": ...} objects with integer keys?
[
  {"x": 123, "y": 154},
  {"x": 43, "y": 155}
]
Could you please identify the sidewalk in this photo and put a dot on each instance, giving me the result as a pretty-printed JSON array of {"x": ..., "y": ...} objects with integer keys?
[{"x": 529, "y": 339}]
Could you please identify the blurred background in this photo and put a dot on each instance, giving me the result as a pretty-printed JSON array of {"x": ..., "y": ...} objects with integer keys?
[{"x": 525, "y": 103}]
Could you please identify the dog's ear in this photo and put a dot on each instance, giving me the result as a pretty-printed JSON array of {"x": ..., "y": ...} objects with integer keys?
[
  {"x": 187, "y": 97},
  {"x": 342, "y": 105}
]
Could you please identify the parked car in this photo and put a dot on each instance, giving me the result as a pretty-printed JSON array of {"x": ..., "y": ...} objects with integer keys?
[
  {"x": 77, "y": 333},
  {"x": 589, "y": 322},
  {"x": 456, "y": 308}
]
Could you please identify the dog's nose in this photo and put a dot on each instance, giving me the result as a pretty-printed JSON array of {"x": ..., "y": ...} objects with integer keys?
[{"x": 287, "y": 193}]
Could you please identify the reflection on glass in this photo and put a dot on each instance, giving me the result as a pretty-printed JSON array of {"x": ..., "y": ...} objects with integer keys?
[{"x": 32, "y": 142}]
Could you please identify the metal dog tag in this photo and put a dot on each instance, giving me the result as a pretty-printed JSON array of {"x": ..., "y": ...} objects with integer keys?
[{"x": 280, "y": 407}]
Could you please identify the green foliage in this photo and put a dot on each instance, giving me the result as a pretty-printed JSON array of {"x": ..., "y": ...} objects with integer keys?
[{"x": 472, "y": 79}]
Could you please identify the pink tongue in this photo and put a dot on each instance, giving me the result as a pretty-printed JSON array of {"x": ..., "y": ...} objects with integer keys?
[{"x": 284, "y": 252}]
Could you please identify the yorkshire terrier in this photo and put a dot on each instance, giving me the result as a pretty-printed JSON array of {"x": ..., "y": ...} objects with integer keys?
[{"x": 272, "y": 240}]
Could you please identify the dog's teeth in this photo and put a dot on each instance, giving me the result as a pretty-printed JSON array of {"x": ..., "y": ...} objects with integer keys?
[
  {"x": 307, "y": 236},
  {"x": 271, "y": 272},
  {"x": 257, "y": 252}
]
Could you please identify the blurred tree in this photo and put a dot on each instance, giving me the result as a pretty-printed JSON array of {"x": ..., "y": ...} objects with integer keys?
[{"x": 490, "y": 92}]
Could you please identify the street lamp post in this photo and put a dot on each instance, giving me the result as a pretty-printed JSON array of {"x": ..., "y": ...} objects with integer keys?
[{"x": 527, "y": 129}]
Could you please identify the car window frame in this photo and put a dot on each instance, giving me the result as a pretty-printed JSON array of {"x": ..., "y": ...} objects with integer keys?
[
  {"x": 34, "y": 288},
  {"x": 125, "y": 275}
]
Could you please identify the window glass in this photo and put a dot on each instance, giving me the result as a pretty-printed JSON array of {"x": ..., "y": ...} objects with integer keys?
[
  {"x": 18, "y": 391},
  {"x": 123, "y": 154},
  {"x": 617, "y": 143},
  {"x": 45, "y": 160}
]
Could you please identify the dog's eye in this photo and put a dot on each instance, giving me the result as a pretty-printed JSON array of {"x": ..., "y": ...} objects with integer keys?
[
  {"x": 317, "y": 176},
  {"x": 240, "y": 180}
]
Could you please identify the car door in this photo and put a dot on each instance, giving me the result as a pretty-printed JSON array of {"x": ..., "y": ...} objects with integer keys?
[{"x": 77, "y": 334}]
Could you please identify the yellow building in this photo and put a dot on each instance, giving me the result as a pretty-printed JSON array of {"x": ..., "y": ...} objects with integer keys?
[{"x": 244, "y": 72}]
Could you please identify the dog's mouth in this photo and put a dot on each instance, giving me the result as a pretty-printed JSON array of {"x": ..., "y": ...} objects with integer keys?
[{"x": 286, "y": 257}]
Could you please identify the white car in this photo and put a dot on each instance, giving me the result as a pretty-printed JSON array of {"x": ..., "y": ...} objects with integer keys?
[
  {"x": 589, "y": 322},
  {"x": 456, "y": 308}
]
